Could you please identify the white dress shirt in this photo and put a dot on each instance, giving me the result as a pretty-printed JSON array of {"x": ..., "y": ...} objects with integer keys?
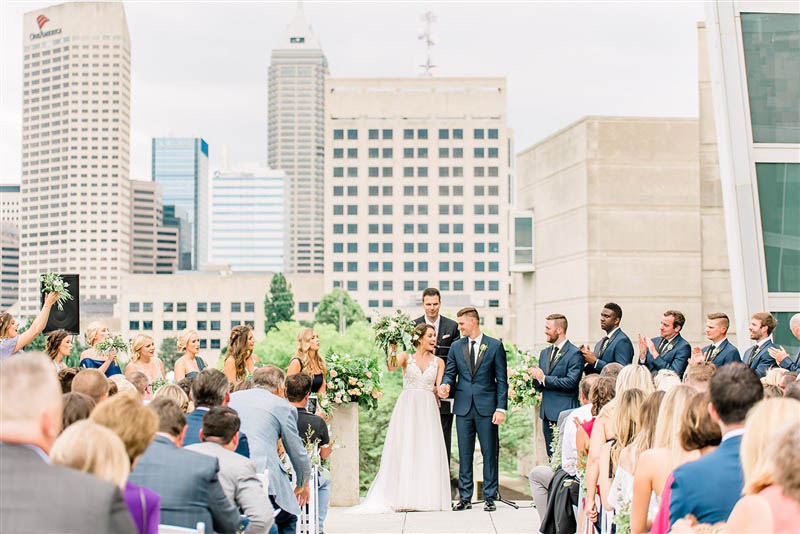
[{"x": 569, "y": 445}]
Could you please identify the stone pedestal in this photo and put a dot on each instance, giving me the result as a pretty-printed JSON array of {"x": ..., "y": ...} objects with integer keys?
[{"x": 344, "y": 458}]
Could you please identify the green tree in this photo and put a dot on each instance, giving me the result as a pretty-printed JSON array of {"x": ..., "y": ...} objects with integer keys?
[
  {"x": 278, "y": 303},
  {"x": 169, "y": 353},
  {"x": 328, "y": 309},
  {"x": 279, "y": 345}
]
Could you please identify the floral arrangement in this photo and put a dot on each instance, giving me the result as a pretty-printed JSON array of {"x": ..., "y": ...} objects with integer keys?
[
  {"x": 312, "y": 447},
  {"x": 158, "y": 383},
  {"x": 521, "y": 393},
  {"x": 352, "y": 379},
  {"x": 113, "y": 344},
  {"x": 52, "y": 283},
  {"x": 623, "y": 518},
  {"x": 393, "y": 333},
  {"x": 583, "y": 457},
  {"x": 555, "y": 448}
]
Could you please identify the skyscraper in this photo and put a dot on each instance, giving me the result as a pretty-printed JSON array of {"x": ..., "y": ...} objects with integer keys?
[
  {"x": 9, "y": 245},
  {"x": 417, "y": 180},
  {"x": 180, "y": 166},
  {"x": 154, "y": 247},
  {"x": 247, "y": 219},
  {"x": 75, "y": 150},
  {"x": 296, "y": 139}
]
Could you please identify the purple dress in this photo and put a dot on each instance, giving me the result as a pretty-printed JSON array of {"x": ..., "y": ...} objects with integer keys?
[
  {"x": 151, "y": 507},
  {"x": 7, "y": 346}
]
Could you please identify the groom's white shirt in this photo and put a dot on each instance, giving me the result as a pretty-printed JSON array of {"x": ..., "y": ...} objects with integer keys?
[{"x": 434, "y": 324}]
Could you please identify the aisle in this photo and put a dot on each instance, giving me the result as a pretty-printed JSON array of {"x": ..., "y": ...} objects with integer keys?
[{"x": 505, "y": 520}]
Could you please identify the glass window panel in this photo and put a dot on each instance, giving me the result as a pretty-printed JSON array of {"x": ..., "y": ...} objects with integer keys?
[{"x": 779, "y": 196}]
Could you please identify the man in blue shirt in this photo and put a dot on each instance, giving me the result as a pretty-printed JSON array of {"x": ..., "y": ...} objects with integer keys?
[{"x": 708, "y": 488}]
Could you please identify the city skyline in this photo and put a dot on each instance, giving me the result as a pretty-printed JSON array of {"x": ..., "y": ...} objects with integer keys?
[{"x": 592, "y": 70}]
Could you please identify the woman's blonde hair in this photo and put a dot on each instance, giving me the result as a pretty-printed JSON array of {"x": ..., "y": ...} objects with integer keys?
[
  {"x": 183, "y": 339},
  {"x": 6, "y": 320},
  {"x": 92, "y": 330},
  {"x": 670, "y": 417},
  {"x": 762, "y": 425},
  {"x": 784, "y": 457},
  {"x": 629, "y": 409},
  {"x": 648, "y": 419},
  {"x": 176, "y": 393},
  {"x": 774, "y": 376},
  {"x": 94, "y": 449},
  {"x": 666, "y": 379},
  {"x": 309, "y": 359},
  {"x": 128, "y": 418},
  {"x": 632, "y": 376},
  {"x": 237, "y": 349},
  {"x": 138, "y": 344}
]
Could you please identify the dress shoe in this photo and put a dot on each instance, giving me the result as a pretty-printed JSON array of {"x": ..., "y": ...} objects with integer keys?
[
  {"x": 462, "y": 505},
  {"x": 488, "y": 505}
]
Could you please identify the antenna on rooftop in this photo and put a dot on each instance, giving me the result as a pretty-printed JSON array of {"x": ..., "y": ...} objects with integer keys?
[{"x": 425, "y": 35}]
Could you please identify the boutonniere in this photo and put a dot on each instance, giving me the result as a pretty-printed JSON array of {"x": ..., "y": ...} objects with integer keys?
[
  {"x": 559, "y": 353},
  {"x": 483, "y": 348},
  {"x": 669, "y": 348}
]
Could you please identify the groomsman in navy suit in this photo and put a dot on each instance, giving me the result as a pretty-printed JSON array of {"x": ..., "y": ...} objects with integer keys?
[
  {"x": 669, "y": 350},
  {"x": 721, "y": 351},
  {"x": 616, "y": 346},
  {"x": 558, "y": 374},
  {"x": 781, "y": 356},
  {"x": 757, "y": 357},
  {"x": 708, "y": 488}
]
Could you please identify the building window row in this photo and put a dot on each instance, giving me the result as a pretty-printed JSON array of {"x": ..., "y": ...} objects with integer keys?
[{"x": 418, "y": 133}]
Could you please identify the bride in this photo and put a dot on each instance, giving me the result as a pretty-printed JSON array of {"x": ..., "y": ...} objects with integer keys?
[{"x": 414, "y": 475}]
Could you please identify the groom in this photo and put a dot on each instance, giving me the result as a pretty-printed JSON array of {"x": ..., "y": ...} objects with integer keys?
[{"x": 481, "y": 399}]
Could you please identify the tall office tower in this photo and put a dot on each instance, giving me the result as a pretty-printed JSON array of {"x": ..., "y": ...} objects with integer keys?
[
  {"x": 417, "y": 174},
  {"x": 180, "y": 166},
  {"x": 247, "y": 221},
  {"x": 155, "y": 246},
  {"x": 296, "y": 138},
  {"x": 9, "y": 245},
  {"x": 177, "y": 218},
  {"x": 75, "y": 150}
]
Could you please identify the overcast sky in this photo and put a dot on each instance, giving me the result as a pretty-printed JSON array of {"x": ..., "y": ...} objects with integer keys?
[{"x": 200, "y": 68}]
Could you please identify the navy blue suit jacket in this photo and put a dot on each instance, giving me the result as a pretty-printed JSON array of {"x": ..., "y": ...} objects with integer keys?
[
  {"x": 619, "y": 349},
  {"x": 675, "y": 359},
  {"x": 194, "y": 422},
  {"x": 792, "y": 364},
  {"x": 708, "y": 488},
  {"x": 728, "y": 353},
  {"x": 560, "y": 388},
  {"x": 486, "y": 386},
  {"x": 762, "y": 362}
]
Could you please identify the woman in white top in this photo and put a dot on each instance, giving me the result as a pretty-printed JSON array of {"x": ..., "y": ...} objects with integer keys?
[
  {"x": 628, "y": 424},
  {"x": 144, "y": 360}
]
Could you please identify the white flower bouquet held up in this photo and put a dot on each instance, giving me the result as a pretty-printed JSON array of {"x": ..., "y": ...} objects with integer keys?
[
  {"x": 114, "y": 344},
  {"x": 53, "y": 283},
  {"x": 395, "y": 332}
]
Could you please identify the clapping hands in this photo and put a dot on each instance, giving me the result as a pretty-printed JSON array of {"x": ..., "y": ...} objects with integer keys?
[
  {"x": 697, "y": 355},
  {"x": 537, "y": 374},
  {"x": 588, "y": 355},
  {"x": 778, "y": 354},
  {"x": 645, "y": 345}
]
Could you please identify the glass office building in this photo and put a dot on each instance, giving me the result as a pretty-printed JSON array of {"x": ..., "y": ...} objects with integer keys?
[
  {"x": 754, "y": 52},
  {"x": 180, "y": 166}
]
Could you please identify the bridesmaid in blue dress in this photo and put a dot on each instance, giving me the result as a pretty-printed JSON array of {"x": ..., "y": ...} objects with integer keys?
[{"x": 90, "y": 359}]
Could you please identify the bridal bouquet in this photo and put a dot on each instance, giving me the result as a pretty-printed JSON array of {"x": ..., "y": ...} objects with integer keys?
[
  {"x": 521, "y": 392},
  {"x": 352, "y": 379},
  {"x": 113, "y": 344},
  {"x": 393, "y": 333},
  {"x": 52, "y": 283}
]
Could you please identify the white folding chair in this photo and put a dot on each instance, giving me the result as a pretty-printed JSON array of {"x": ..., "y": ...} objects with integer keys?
[
  {"x": 171, "y": 529},
  {"x": 308, "y": 522},
  {"x": 607, "y": 522}
]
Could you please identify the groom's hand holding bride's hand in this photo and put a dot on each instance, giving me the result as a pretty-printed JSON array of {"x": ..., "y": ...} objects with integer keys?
[
  {"x": 498, "y": 417},
  {"x": 444, "y": 391}
]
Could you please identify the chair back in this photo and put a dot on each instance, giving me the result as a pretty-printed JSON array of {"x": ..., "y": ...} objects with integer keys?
[
  {"x": 308, "y": 522},
  {"x": 171, "y": 529}
]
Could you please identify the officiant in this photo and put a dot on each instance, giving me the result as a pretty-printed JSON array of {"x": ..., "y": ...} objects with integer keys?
[{"x": 446, "y": 334}]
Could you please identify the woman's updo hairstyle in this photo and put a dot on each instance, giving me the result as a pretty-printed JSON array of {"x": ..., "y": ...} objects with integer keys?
[{"x": 420, "y": 332}]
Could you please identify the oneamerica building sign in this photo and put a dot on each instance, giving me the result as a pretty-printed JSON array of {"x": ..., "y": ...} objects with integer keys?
[{"x": 41, "y": 20}]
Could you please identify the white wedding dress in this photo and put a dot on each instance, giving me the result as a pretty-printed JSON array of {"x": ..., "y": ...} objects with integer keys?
[{"x": 414, "y": 475}]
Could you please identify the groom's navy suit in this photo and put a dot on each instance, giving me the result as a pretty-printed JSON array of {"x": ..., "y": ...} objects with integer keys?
[
  {"x": 481, "y": 390},
  {"x": 562, "y": 369}
]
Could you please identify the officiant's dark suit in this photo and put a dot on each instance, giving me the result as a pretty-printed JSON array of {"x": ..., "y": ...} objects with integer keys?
[{"x": 446, "y": 334}]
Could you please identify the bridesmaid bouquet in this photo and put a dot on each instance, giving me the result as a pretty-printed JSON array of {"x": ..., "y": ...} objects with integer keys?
[
  {"x": 393, "y": 333},
  {"x": 113, "y": 344},
  {"x": 52, "y": 283},
  {"x": 521, "y": 393},
  {"x": 352, "y": 379}
]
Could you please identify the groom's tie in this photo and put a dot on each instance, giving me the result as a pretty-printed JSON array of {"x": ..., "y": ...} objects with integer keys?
[{"x": 472, "y": 354}]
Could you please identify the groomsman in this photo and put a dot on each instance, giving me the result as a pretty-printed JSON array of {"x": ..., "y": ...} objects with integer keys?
[
  {"x": 757, "y": 357},
  {"x": 616, "y": 346},
  {"x": 721, "y": 351},
  {"x": 446, "y": 334},
  {"x": 669, "y": 350},
  {"x": 558, "y": 374},
  {"x": 781, "y": 356}
]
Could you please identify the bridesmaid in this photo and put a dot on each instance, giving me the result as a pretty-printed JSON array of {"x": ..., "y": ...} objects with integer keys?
[
  {"x": 307, "y": 360},
  {"x": 240, "y": 361},
  {"x": 190, "y": 364},
  {"x": 143, "y": 358},
  {"x": 58, "y": 347},
  {"x": 91, "y": 359}
]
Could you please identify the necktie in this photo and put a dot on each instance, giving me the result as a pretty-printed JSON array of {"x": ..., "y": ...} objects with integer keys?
[
  {"x": 553, "y": 355},
  {"x": 603, "y": 346},
  {"x": 472, "y": 354},
  {"x": 662, "y": 345},
  {"x": 754, "y": 353}
]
